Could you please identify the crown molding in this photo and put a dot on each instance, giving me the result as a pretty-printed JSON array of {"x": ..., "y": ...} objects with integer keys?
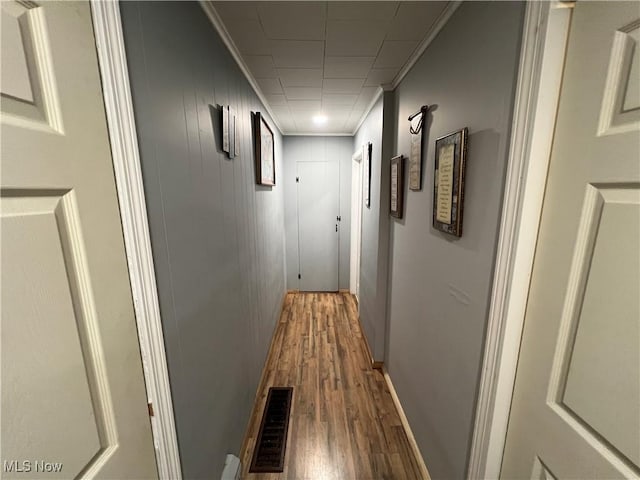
[
  {"x": 218, "y": 24},
  {"x": 444, "y": 17}
]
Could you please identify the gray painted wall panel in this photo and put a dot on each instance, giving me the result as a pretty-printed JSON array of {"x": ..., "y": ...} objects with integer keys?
[
  {"x": 439, "y": 284},
  {"x": 317, "y": 149},
  {"x": 372, "y": 298},
  {"x": 216, "y": 236}
]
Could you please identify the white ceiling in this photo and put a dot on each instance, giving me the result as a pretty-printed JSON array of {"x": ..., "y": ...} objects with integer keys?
[{"x": 309, "y": 58}]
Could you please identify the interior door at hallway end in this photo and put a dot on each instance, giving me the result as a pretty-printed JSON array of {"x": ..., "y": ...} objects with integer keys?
[
  {"x": 576, "y": 404},
  {"x": 318, "y": 225},
  {"x": 73, "y": 394}
]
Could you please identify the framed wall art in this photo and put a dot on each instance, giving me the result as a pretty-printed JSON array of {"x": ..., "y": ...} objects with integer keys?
[
  {"x": 416, "y": 130},
  {"x": 448, "y": 183},
  {"x": 397, "y": 187},
  {"x": 228, "y": 130},
  {"x": 366, "y": 187},
  {"x": 264, "y": 151}
]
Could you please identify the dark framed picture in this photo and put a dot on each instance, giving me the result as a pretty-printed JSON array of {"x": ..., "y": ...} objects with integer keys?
[
  {"x": 367, "y": 175},
  {"x": 397, "y": 186},
  {"x": 225, "y": 129},
  {"x": 264, "y": 150},
  {"x": 448, "y": 183},
  {"x": 228, "y": 130}
]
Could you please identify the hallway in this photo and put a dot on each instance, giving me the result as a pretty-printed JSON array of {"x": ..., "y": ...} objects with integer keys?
[{"x": 343, "y": 423}]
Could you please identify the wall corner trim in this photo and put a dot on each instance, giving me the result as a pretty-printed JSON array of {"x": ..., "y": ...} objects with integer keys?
[
  {"x": 422, "y": 46},
  {"x": 114, "y": 73},
  {"x": 542, "y": 55},
  {"x": 218, "y": 24},
  {"x": 407, "y": 428}
]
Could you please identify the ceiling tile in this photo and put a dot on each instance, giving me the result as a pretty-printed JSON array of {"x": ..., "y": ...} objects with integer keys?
[
  {"x": 338, "y": 99},
  {"x": 301, "y": 77},
  {"x": 362, "y": 10},
  {"x": 297, "y": 54},
  {"x": 342, "y": 85},
  {"x": 354, "y": 37},
  {"x": 237, "y": 10},
  {"x": 269, "y": 85},
  {"x": 261, "y": 66},
  {"x": 395, "y": 53},
  {"x": 303, "y": 93},
  {"x": 293, "y": 20},
  {"x": 281, "y": 109},
  {"x": 276, "y": 100},
  {"x": 414, "y": 19},
  {"x": 249, "y": 37},
  {"x": 347, "y": 67},
  {"x": 304, "y": 105},
  {"x": 337, "y": 113},
  {"x": 309, "y": 57},
  {"x": 381, "y": 76}
]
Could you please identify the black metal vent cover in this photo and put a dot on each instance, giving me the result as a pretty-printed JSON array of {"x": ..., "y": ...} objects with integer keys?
[{"x": 268, "y": 454}]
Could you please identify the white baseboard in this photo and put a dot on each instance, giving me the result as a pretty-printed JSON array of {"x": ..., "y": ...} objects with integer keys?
[
  {"x": 231, "y": 468},
  {"x": 405, "y": 423}
]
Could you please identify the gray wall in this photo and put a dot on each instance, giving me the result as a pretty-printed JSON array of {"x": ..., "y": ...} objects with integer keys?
[
  {"x": 439, "y": 284},
  {"x": 217, "y": 238},
  {"x": 375, "y": 227},
  {"x": 317, "y": 149}
]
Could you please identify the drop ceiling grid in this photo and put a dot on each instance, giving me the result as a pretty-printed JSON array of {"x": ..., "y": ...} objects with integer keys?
[{"x": 329, "y": 57}]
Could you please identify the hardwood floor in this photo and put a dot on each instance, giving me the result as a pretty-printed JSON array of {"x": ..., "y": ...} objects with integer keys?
[{"x": 343, "y": 423}]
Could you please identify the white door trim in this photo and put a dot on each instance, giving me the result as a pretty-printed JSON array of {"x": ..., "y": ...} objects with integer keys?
[
  {"x": 545, "y": 34},
  {"x": 357, "y": 165},
  {"x": 126, "y": 162}
]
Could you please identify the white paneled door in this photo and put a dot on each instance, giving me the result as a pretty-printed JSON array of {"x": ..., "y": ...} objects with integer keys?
[
  {"x": 576, "y": 405},
  {"x": 318, "y": 225},
  {"x": 73, "y": 395}
]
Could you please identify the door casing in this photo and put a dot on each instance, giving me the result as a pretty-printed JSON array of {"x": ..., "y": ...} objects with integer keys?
[
  {"x": 123, "y": 138},
  {"x": 542, "y": 58}
]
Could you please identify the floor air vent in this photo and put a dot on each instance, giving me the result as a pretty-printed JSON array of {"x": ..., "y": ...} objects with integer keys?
[{"x": 268, "y": 454}]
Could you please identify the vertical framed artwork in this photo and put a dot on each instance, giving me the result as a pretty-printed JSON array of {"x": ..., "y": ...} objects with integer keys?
[
  {"x": 228, "y": 130},
  {"x": 415, "y": 162},
  {"x": 397, "y": 187},
  {"x": 366, "y": 187},
  {"x": 232, "y": 132},
  {"x": 264, "y": 151},
  {"x": 225, "y": 128},
  {"x": 448, "y": 183}
]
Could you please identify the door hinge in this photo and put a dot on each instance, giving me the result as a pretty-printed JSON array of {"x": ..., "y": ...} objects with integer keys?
[
  {"x": 339, "y": 218},
  {"x": 297, "y": 179},
  {"x": 150, "y": 407},
  {"x": 299, "y": 276}
]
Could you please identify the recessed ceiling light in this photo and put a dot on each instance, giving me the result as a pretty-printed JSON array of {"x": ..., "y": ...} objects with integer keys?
[{"x": 320, "y": 119}]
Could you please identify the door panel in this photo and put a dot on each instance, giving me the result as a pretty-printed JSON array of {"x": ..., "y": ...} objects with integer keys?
[
  {"x": 318, "y": 225},
  {"x": 72, "y": 387},
  {"x": 576, "y": 404}
]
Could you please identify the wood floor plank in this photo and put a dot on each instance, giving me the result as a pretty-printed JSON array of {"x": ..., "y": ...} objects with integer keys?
[{"x": 343, "y": 423}]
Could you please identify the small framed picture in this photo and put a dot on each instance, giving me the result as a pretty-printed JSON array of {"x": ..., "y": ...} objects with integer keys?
[
  {"x": 264, "y": 151},
  {"x": 397, "y": 186},
  {"x": 367, "y": 175},
  {"x": 225, "y": 129},
  {"x": 448, "y": 183},
  {"x": 415, "y": 162}
]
